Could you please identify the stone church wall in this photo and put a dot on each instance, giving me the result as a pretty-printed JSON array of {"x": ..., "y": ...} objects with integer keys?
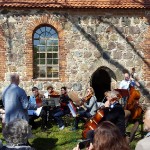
[{"x": 118, "y": 39}]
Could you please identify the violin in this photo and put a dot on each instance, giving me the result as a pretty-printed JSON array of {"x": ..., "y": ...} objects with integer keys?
[
  {"x": 38, "y": 99},
  {"x": 54, "y": 94},
  {"x": 86, "y": 99}
]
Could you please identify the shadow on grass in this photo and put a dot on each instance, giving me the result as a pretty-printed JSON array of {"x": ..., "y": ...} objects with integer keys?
[{"x": 44, "y": 143}]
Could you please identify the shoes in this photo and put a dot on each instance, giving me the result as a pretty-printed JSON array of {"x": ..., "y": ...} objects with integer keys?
[
  {"x": 74, "y": 129},
  {"x": 61, "y": 128}
]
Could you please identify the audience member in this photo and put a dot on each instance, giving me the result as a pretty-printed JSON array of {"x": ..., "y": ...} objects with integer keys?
[
  {"x": 16, "y": 133},
  {"x": 144, "y": 144},
  {"x": 107, "y": 137}
]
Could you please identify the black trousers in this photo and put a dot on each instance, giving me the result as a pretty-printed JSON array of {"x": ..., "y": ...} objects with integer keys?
[{"x": 43, "y": 115}]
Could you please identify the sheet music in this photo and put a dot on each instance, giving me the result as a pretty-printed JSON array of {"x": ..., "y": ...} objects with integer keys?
[
  {"x": 35, "y": 112},
  {"x": 72, "y": 110},
  {"x": 38, "y": 111}
]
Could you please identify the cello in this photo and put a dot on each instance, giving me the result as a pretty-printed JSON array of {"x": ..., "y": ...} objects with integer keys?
[
  {"x": 92, "y": 123},
  {"x": 133, "y": 103}
]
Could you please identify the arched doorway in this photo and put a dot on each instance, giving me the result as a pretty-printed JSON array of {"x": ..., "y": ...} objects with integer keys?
[{"x": 101, "y": 81}]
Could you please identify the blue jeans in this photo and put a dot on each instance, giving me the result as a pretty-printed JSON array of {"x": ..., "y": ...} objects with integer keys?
[{"x": 58, "y": 116}]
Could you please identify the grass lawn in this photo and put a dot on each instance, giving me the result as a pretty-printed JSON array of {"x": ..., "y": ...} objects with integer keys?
[{"x": 54, "y": 139}]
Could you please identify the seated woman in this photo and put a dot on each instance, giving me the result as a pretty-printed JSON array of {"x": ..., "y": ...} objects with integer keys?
[
  {"x": 107, "y": 137},
  {"x": 16, "y": 133},
  {"x": 90, "y": 106}
]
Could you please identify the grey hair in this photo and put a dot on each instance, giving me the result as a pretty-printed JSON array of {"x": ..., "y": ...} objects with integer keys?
[
  {"x": 17, "y": 132},
  {"x": 14, "y": 77},
  {"x": 112, "y": 94}
]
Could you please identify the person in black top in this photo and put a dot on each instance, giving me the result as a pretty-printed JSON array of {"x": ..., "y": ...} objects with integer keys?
[
  {"x": 113, "y": 112},
  {"x": 63, "y": 109}
]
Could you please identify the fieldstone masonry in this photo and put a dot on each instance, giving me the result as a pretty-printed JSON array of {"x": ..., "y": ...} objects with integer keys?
[{"x": 88, "y": 40}]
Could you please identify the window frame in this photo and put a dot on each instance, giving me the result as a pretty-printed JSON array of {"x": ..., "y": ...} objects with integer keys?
[{"x": 36, "y": 74}]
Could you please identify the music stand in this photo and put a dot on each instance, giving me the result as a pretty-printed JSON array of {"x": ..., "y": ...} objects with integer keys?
[{"x": 123, "y": 92}]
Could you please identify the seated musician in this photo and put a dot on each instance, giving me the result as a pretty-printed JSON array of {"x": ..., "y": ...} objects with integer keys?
[
  {"x": 50, "y": 91},
  {"x": 90, "y": 105},
  {"x": 40, "y": 112},
  {"x": 127, "y": 82},
  {"x": 63, "y": 109},
  {"x": 113, "y": 112}
]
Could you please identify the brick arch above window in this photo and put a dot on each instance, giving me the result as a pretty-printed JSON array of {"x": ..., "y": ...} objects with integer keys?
[
  {"x": 2, "y": 56},
  {"x": 32, "y": 26}
]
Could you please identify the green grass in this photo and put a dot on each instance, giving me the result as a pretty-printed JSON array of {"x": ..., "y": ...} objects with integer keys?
[{"x": 54, "y": 139}]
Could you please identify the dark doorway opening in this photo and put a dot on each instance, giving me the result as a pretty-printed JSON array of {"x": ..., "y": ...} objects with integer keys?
[{"x": 101, "y": 82}]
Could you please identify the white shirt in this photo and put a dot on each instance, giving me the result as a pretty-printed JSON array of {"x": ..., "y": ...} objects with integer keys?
[{"x": 124, "y": 84}]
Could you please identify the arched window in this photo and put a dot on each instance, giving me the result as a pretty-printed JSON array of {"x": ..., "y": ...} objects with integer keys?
[{"x": 45, "y": 53}]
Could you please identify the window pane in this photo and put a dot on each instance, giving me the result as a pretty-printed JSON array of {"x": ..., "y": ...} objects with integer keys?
[
  {"x": 41, "y": 48},
  {"x": 49, "y": 48},
  {"x": 42, "y": 42},
  {"x": 49, "y": 61},
  {"x": 36, "y": 36},
  {"x": 48, "y": 29},
  {"x": 49, "y": 55},
  {"x": 42, "y": 61},
  {"x": 55, "y": 48},
  {"x": 55, "y": 74},
  {"x": 43, "y": 29},
  {"x": 55, "y": 36},
  {"x": 42, "y": 72},
  {"x": 49, "y": 71},
  {"x": 55, "y": 69},
  {"x": 55, "y": 42},
  {"x": 55, "y": 55},
  {"x": 55, "y": 61},
  {"x": 49, "y": 42},
  {"x": 42, "y": 35},
  {"x": 36, "y": 42},
  {"x": 52, "y": 32},
  {"x": 42, "y": 55}
]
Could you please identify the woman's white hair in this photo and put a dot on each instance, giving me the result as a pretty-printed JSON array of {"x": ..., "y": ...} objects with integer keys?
[
  {"x": 112, "y": 94},
  {"x": 17, "y": 132}
]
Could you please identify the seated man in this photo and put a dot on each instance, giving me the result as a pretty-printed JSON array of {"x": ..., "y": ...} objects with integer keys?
[
  {"x": 16, "y": 133},
  {"x": 113, "y": 112},
  {"x": 63, "y": 109},
  {"x": 126, "y": 83},
  {"x": 144, "y": 144},
  {"x": 41, "y": 111}
]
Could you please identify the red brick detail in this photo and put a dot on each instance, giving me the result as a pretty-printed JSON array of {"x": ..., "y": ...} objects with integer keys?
[
  {"x": 34, "y": 23},
  {"x": 76, "y": 3},
  {"x": 2, "y": 56}
]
